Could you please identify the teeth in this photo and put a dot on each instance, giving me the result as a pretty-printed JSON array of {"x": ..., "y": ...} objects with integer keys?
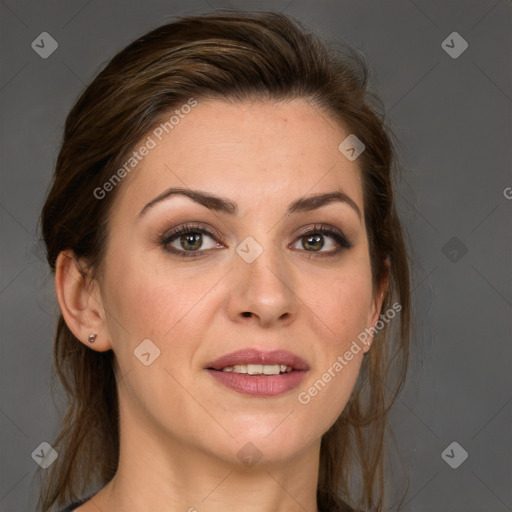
[{"x": 259, "y": 369}]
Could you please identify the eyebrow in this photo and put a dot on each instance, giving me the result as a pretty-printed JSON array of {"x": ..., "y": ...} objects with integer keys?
[{"x": 224, "y": 205}]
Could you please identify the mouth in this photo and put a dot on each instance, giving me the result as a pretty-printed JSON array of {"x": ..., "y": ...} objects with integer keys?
[
  {"x": 258, "y": 369},
  {"x": 259, "y": 374}
]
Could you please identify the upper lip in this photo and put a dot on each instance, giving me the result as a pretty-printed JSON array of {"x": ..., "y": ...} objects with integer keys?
[{"x": 253, "y": 356}]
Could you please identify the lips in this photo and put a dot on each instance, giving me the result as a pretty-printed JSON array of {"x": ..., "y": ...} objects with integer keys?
[
  {"x": 261, "y": 386},
  {"x": 253, "y": 356}
]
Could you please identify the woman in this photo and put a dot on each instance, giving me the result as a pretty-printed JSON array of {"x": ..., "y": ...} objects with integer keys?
[{"x": 231, "y": 273}]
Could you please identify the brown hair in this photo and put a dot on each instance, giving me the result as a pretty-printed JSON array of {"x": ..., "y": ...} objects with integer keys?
[{"x": 234, "y": 56}]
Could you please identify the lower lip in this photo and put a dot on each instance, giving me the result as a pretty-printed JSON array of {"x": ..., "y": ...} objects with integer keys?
[{"x": 259, "y": 385}]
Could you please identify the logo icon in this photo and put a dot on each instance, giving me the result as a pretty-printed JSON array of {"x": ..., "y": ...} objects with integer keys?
[
  {"x": 249, "y": 249},
  {"x": 45, "y": 455},
  {"x": 454, "y": 455},
  {"x": 454, "y": 249},
  {"x": 44, "y": 45},
  {"x": 249, "y": 455},
  {"x": 351, "y": 147},
  {"x": 454, "y": 45},
  {"x": 146, "y": 352}
]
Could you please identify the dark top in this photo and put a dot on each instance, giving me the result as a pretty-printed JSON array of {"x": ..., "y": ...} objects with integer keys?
[{"x": 71, "y": 507}]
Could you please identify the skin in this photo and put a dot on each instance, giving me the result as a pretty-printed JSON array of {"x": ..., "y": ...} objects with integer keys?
[{"x": 180, "y": 429}]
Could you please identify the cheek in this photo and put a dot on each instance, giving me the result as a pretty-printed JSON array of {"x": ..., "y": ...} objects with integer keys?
[
  {"x": 154, "y": 301},
  {"x": 344, "y": 303},
  {"x": 327, "y": 394},
  {"x": 342, "y": 306}
]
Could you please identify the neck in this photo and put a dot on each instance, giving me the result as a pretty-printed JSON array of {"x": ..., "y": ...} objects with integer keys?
[{"x": 159, "y": 473}]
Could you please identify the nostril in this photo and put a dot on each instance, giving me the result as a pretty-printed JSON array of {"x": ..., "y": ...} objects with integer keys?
[{"x": 246, "y": 313}]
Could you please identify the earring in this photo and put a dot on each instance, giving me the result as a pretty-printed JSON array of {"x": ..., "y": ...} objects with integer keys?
[{"x": 92, "y": 337}]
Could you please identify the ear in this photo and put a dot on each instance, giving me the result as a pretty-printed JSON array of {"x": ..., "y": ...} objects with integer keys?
[
  {"x": 80, "y": 302},
  {"x": 378, "y": 299}
]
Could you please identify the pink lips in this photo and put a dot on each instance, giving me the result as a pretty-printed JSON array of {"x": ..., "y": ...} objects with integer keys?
[
  {"x": 259, "y": 385},
  {"x": 253, "y": 356}
]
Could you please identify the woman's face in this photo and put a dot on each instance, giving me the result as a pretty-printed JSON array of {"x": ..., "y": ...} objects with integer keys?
[{"x": 266, "y": 278}]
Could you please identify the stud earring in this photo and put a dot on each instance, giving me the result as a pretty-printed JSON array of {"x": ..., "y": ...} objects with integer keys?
[{"x": 92, "y": 337}]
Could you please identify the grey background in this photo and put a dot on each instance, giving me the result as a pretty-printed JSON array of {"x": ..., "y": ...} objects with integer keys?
[{"x": 452, "y": 118}]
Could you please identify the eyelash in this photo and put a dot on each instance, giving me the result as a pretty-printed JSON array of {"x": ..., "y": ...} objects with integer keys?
[{"x": 336, "y": 235}]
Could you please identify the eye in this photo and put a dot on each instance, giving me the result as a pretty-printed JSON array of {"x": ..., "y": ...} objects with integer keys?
[
  {"x": 323, "y": 239},
  {"x": 195, "y": 240},
  {"x": 189, "y": 240}
]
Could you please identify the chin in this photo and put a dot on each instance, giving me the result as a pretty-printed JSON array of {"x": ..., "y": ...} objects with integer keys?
[{"x": 272, "y": 441}]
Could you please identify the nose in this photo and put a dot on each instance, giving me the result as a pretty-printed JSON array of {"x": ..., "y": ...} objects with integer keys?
[{"x": 262, "y": 292}]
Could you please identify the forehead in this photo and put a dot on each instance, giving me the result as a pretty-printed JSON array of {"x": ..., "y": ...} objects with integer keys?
[{"x": 253, "y": 152}]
